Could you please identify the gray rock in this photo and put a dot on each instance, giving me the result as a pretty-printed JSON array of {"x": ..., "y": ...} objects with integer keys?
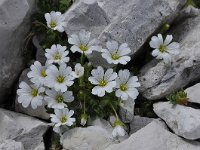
[
  {"x": 127, "y": 21},
  {"x": 11, "y": 145},
  {"x": 40, "y": 53},
  {"x": 40, "y": 112},
  {"x": 90, "y": 138},
  {"x": 108, "y": 126},
  {"x": 193, "y": 93},
  {"x": 155, "y": 136},
  {"x": 14, "y": 26},
  {"x": 158, "y": 80},
  {"x": 138, "y": 123},
  {"x": 126, "y": 111},
  {"x": 21, "y": 128},
  {"x": 101, "y": 123},
  {"x": 86, "y": 14},
  {"x": 184, "y": 121}
]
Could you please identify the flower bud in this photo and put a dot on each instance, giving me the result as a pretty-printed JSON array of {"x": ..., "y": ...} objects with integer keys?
[
  {"x": 84, "y": 118},
  {"x": 118, "y": 129}
]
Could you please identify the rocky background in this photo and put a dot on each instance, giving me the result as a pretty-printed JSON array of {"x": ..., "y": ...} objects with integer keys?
[{"x": 130, "y": 21}]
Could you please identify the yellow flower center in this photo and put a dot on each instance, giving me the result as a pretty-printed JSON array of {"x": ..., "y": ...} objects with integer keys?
[
  {"x": 53, "y": 24},
  {"x": 123, "y": 87},
  {"x": 63, "y": 119},
  {"x": 60, "y": 79},
  {"x": 57, "y": 56},
  {"x": 43, "y": 73},
  {"x": 163, "y": 48},
  {"x": 115, "y": 56},
  {"x": 102, "y": 83},
  {"x": 34, "y": 92},
  {"x": 59, "y": 98},
  {"x": 83, "y": 47}
]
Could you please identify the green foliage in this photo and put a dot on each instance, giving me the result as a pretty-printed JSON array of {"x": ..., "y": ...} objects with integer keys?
[
  {"x": 194, "y": 3},
  {"x": 87, "y": 103},
  {"x": 49, "y": 36},
  {"x": 179, "y": 97}
]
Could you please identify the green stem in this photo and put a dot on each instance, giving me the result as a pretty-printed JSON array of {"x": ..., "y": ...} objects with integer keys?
[
  {"x": 191, "y": 2},
  {"x": 115, "y": 68},
  {"x": 81, "y": 79},
  {"x": 84, "y": 104},
  {"x": 114, "y": 111}
]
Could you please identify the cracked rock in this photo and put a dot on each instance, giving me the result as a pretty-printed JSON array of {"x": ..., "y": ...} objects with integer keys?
[
  {"x": 193, "y": 93},
  {"x": 130, "y": 21},
  {"x": 14, "y": 26},
  {"x": 184, "y": 121},
  {"x": 155, "y": 136},
  {"x": 158, "y": 79},
  {"x": 22, "y": 129}
]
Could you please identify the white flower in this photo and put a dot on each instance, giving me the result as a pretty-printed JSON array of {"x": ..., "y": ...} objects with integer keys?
[
  {"x": 79, "y": 71},
  {"x": 118, "y": 131},
  {"x": 37, "y": 73},
  {"x": 58, "y": 99},
  {"x": 164, "y": 49},
  {"x": 82, "y": 43},
  {"x": 62, "y": 117},
  {"x": 59, "y": 79},
  {"x": 55, "y": 21},
  {"x": 30, "y": 95},
  {"x": 126, "y": 85},
  {"x": 105, "y": 82},
  {"x": 115, "y": 54},
  {"x": 57, "y": 54}
]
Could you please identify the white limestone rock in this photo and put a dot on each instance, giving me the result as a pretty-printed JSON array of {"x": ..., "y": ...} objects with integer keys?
[
  {"x": 14, "y": 26},
  {"x": 90, "y": 138},
  {"x": 193, "y": 93},
  {"x": 126, "y": 111},
  {"x": 155, "y": 136},
  {"x": 11, "y": 145},
  {"x": 184, "y": 121},
  {"x": 20, "y": 128},
  {"x": 138, "y": 123}
]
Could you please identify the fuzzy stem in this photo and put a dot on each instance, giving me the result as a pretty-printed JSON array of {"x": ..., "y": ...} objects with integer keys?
[
  {"x": 84, "y": 104},
  {"x": 114, "y": 111},
  {"x": 82, "y": 58}
]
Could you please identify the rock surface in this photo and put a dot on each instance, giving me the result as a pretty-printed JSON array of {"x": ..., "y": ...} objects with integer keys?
[
  {"x": 126, "y": 111},
  {"x": 138, "y": 123},
  {"x": 90, "y": 138},
  {"x": 11, "y": 145},
  {"x": 158, "y": 80},
  {"x": 21, "y": 128},
  {"x": 155, "y": 136},
  {"x": 14, "y": 26},
  {"x": 40, "y": 53},
  {"x": 193, "y": 93},
  {"x": 130, "y": 21},
  {"x": 184, "y": 121},
  {"x": 40, "y": 112}
]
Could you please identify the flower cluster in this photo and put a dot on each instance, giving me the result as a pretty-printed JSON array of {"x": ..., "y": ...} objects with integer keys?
[{"x": 89, "y": 91}]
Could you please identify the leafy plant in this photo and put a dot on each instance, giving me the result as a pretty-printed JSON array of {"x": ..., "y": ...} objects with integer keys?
[{"x": 179, "y": 97}]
